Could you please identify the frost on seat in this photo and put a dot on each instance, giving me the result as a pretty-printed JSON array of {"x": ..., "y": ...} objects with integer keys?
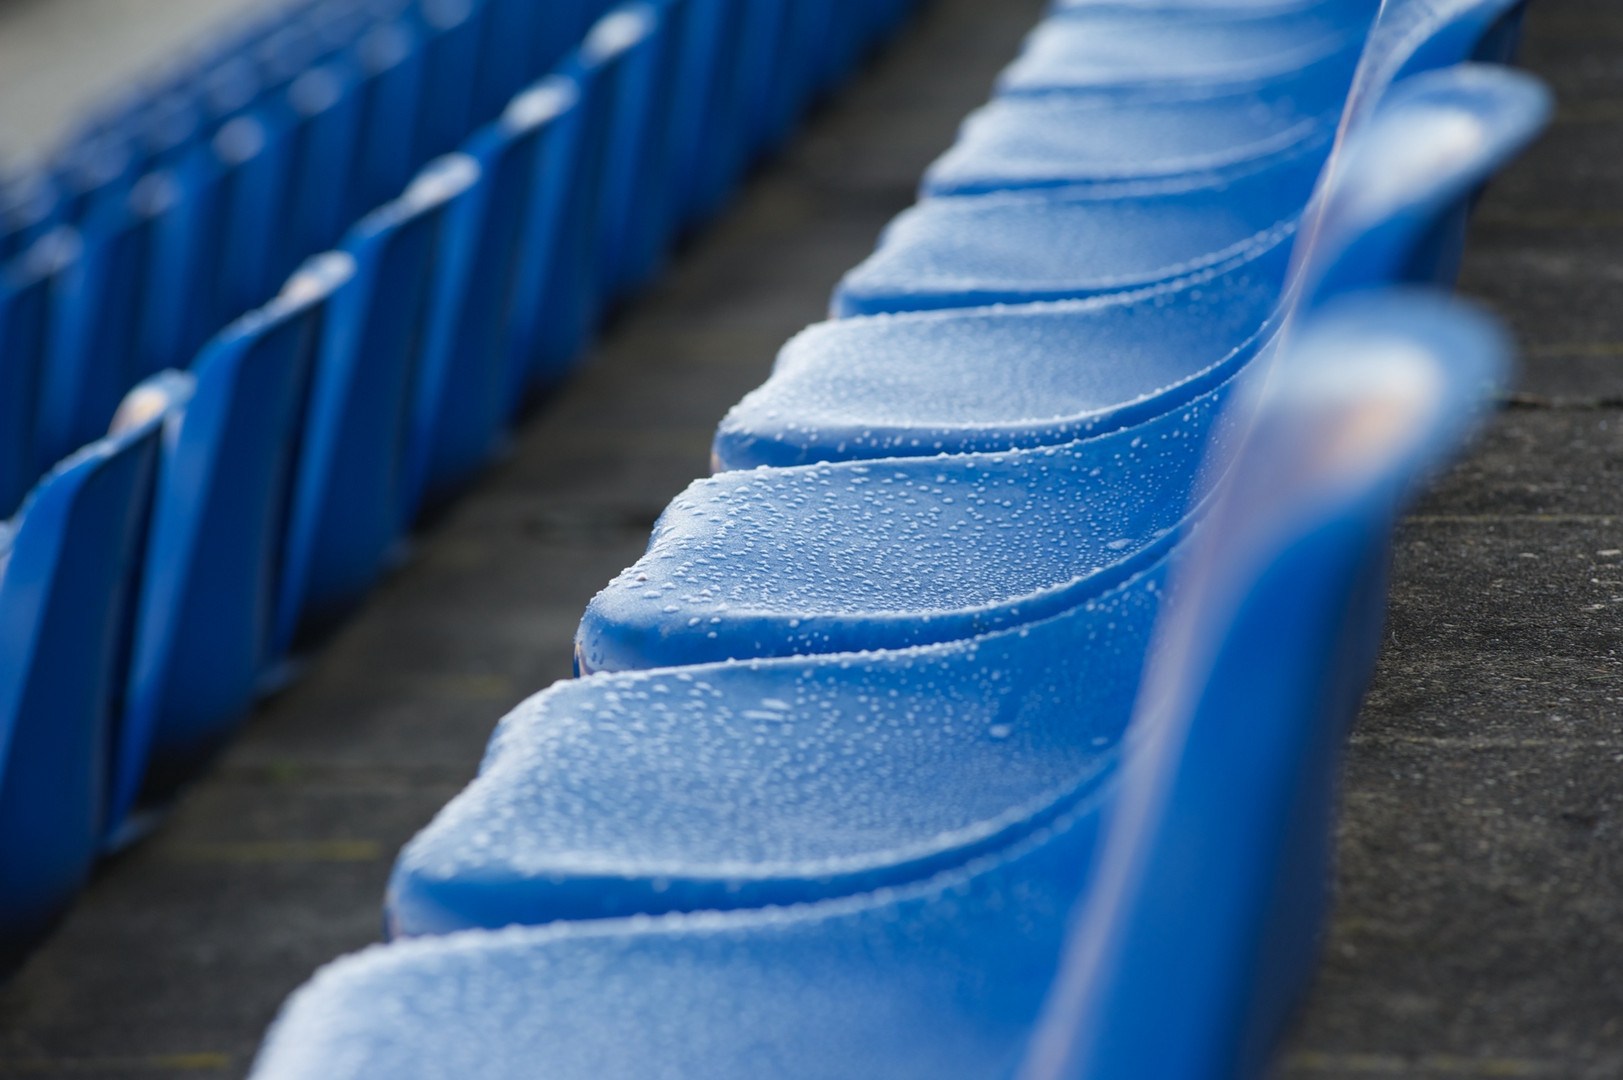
[{"x": 898, "y": 552}]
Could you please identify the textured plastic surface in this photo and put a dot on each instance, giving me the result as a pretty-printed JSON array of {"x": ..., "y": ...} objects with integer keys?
[
  {"x": 918, "y": 384},
  {"x": 982, "y": 379},
  {"x": 1018, "y": 142},
  {"x": 90, "y": 357},
  {"x": 205, "y": 624},
  {"x": 901, "y": 551},
  {"x": 346, "y": 513},
  {"x": 772, "y": 782},
  {"x": 1007, "y": 248},
  {"x": 68, "y": 568},
  {"x": 948, "y": 978},
  {"x": 1128, "y": 51},
  {"x": 1213, "y": 877},
  {"x": 461, "y": 390},
  {"x": 26, "y": 284},
  {"x": 1017, "y": 247}
]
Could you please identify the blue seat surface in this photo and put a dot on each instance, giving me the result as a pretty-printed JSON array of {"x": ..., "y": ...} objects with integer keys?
[
  {"x": 1017, "y": 142},
  {"x": 69, "y": 564},
  {"x": 462, "y": 389},
  {"x": 310, "y": 430},
  {"x": 1011, "y": 247},
  {"x": 1212, "y": 883},
  {"x": 631, "y": 41},
  {"x": 345, "y": 514},
  {"x": 30, "y": 203},
  {"x": 951, "y": 381},
  {"x": 948, "y": 978},
  {"x": 984, "y": 379},
  {"x": 205, "y": 623},
  {"x": 91, "y": 357},
  {"x": 1017, "y": 247},
  {"x": 826, "y": 992},
  {"x": 1132, "y": 50},
  {"x": 896, "y": 552},
  {"x": 740, "y": 785},
  {"x": 26, "y": 284},
  {"x": 1174, "y": 8}
]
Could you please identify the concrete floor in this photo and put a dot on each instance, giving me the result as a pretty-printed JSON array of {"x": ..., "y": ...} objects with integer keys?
[
  {"x": 62, "y": 58},
  {"x": 1479, "y": 928}
]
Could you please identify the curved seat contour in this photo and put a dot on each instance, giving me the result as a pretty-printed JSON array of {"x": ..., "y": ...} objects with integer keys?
[
  {"x": 977, "y": 380},
  {"x": 1133, "y": 51},
  {"x": 899, "y": 551},
  {"x": 951, "y": 977},
  {"x": 779, "y": 781},
  {"x": 346, "y": 509},
  {"x": 206, "y": 617},
  {"x": 1058, "y": 140},
  {"x": 1019, "y": 247},
  {"x": 69, "y": 567}
]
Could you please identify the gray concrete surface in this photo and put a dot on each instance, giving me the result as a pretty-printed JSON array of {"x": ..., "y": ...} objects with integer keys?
[
  {"x": 1479, "y": 927},
  {"x": 1479, "y": 921},
  {"x": 62, "y": 58}
]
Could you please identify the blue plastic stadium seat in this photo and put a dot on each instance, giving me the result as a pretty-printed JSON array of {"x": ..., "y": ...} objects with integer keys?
[
  {"x": 205, "y": 623},
  {"x": 284, "y": 53},
  {"x": 337, "y": 24},
  {"x": 780, "y": 781},
  {"x": 1090, "y": 239},
  {"x": 538, "y": 345},
  {"x": 635, "y": 39},
  {"x": 750, "y": 54},
  {"x": 899, "y": 551},
  {"x": 463, "y": 386},
  {"x": 678, "y": 74},
  {"x": 1212, "y": 880},
  {"x": 1023, "y": 141},
  {"x": 813, "y": 43},
  {"x": 345, "y": 514},
  {"x": 695, "y": 109},
  {"x": 68, "y": 566},
  {"x": 1131, "y": 51},
  {"x": 183, "y": 302},
  {"x": 325, "y": 102},
  {"x": 1054, "y": 140},
  {"x": 92, "y": 355},
  {"x": 168, "y": 126},
  {"x": 978, "y": 380},
  {"x": 948, "y": 977},
  {"x": 390, "y": 60},
  {"x": 258, "y": 150},
  {"x": 454, "y": 29},
  {"x": 94, "y": 173},
  {"x": 26, "y": 285},
  {"x": 572, "y": 273},
  {"x": 513, "y": 31},
  {"x": 30, "y": 204},
  {"x": 273, "y": 143},
  {"x": 618, "y": 70},
  {"x": 829, "y": 558},
  {"x": 300, "y": 442},
  {"x": 1018, "y": 247}
]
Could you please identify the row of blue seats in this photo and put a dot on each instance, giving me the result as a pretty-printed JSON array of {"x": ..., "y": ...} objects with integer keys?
[
  {"x": 951, "y": 542},
  {"x": 980, "y": 717},
  {"x": 188, "y": 208},
  {"x": 158, "y": 580},
  {"x": 159, "y": 224}
]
